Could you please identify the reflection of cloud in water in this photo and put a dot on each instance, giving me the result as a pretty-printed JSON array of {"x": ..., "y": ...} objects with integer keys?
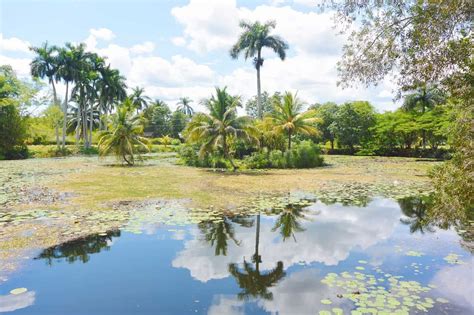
[
  {"x": 301, "y": 293},
  {"x": 12, "y": 302},
  {"x": 456, "y": 283},
  {"x": 329, "y": 239},
  {"x": 226, "y": 305}
]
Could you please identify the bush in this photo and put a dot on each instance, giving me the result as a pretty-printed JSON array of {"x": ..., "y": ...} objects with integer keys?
[
  {"x": 303, "y": 155},
  {"x": 12, "y": 133},
  {"x": 189, "y": 156}
]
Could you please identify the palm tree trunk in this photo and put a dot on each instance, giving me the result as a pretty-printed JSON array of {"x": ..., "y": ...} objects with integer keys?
[
  {"x": 65, "y": 115},
  {"x": 56, "y": 130},
  {"x": 56, "y": 127},
  {"x": 227, "y": 155},
  {"x": 259, "y": 94},
  {"x": 84, "y": 126},
  {"x": 91, "y": 125},
  {"x": 289, "y": 139}
]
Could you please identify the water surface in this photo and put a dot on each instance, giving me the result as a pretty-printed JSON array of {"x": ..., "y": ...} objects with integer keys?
[{"x": 298, "y": 260}]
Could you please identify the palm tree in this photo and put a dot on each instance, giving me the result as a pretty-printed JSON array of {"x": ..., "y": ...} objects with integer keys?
[
  {"x": 287, "y": 117},
  {"x": 46, "y": 64},
  {"x": 185, "y": 107},
  {"x": 139, "y": 101},
  {"x": 213, "y": 130},
  {"x": 112, "y": 89},
  {"x": 422, "y": 99},
  {"x": 251, "y": 280},
  {"x": 255, "y": 37},
  {"x": 124, "y": 135}
]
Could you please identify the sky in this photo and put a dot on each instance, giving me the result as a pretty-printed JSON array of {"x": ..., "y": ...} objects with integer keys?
[{"x": 181, "y": 48}]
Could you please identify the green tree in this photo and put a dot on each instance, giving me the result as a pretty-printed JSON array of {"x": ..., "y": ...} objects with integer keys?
[
  {"x": 327, "y": 114},
  {"x": 254, "y": 38},
  {"x": 158, "y": 116},
  {"x": 251, "y": 106},
  {"x": 112, "y": 89},
  {"x": 289, "y": 118},
  {"x": 54, "y": 117},
  {"x": 218, "y": 234},
  {"x": 288, "y": 221},
  {"x": 421, "y": 42},
  {"x": 214, "y": 130},
  {"x": 184, "y": 106},
  {"x": 353, "y": 123},
  {"x": 124, "y": 135},
  {"x": 421, "y": 100},
  {"x": 178, "y": 123},
  {"x": 139, "y": 100}
]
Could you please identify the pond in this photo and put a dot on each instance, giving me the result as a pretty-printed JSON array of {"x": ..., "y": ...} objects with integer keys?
[{"x": 300, "y": 258}]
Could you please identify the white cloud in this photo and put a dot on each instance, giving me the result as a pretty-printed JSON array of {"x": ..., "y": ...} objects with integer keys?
[
  {"x": 13, "y": 302},
  {"x": 178, "y": 41},
  {"x": 14, "y": 44},
  {"x": 146, "y": 47},
  {"x": 102, "y": 33},
  {"x": 329, "y": 238},
  {"x": 20, "y": 65}
]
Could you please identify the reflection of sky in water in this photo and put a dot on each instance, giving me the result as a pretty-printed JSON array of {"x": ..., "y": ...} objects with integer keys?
[
  {"x": 12, "y": 302},
  {"x": 175, "y": 270}
]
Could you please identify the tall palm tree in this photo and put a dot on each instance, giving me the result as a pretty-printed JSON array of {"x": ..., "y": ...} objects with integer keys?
[
  {"x": 422, "y": 99},
  {"x": 72, "y": 60},
  {"x": 213, "y": 130},
  {"x": 288, "y": 117},
  {"x": 254, "y": 38},
  {"x": 112, "y": 89},
  {"x": 124, "y": 135},
  {"x": 139, "y": 100},
  {"x": 185, "y": 107},
  {"x": 251, "y": 280},
  {"x": 46, "y": 64}
]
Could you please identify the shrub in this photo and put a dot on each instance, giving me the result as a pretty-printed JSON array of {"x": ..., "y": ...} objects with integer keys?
[
  {"x": 305, "y": 154},
  {"x": 12, "y": 133}
]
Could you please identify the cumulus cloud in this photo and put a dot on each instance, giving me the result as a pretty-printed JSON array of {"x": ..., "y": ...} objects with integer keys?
[
  {"x": 14, "y": 44},
  {"x": 178, "y": 41}
]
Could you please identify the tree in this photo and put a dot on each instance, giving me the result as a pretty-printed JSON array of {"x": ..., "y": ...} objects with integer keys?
[
  {"x": 353, "y": 123},
  {"x": 422, "y": 99},
  {"x": 15, "y": 95},
  {"x": 288, "y": 221},
  {"x": 112, "y": 89},
  {"x": 213, "y": 130},
  {"x": 253, "y": 39},
  {"x": 218, "y": 234},
  {"x": 327, "y": 114},
  {"x": 184, "y": 106},
  {"x": 54, "y": 117},
  {"x": 158, "y": 117},
  {"x": 139, "y": 101},
  {"x": 124, "y": 135},
  {"x": 46, "y": 64},
  {"x": 415, "y": 210},
  {"x": 420, "y": 42},
  {"x": 251, "y": 106},
  {"x": 178, "y": 123},
  {"x": 288, "y": 117}
]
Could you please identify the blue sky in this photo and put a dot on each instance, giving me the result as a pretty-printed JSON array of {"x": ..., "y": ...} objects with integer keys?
[{"x": 180, "y": 48}]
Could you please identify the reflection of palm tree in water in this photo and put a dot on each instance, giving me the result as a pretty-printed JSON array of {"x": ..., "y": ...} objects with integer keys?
[
  {"x": 415, "y": 210},
  {"x": 252, "y": 282},
  {"x": 79, "y": 249},
  {"x": 288, "y": 221},
  {"x": 219, "y": 233}
]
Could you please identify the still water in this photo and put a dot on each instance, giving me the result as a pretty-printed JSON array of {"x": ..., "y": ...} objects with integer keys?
[{"x": 326, "y": 259}]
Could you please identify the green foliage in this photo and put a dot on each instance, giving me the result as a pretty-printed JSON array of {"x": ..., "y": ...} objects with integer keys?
[
  {"x": 305, "y": 154},
  {"x": 288, "y": 117},
  {"x": 327, "y": 116},
  {"x": 124, "y": 135},
  {"x": 178, "y": 123},
  {"x": 158, "y": 119},
  {"x": 184, "y": 106},
  {"x": 352, "y": 123},
  {"x": 213, "y": 131},
  {"x": 251, "y": 106}
]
